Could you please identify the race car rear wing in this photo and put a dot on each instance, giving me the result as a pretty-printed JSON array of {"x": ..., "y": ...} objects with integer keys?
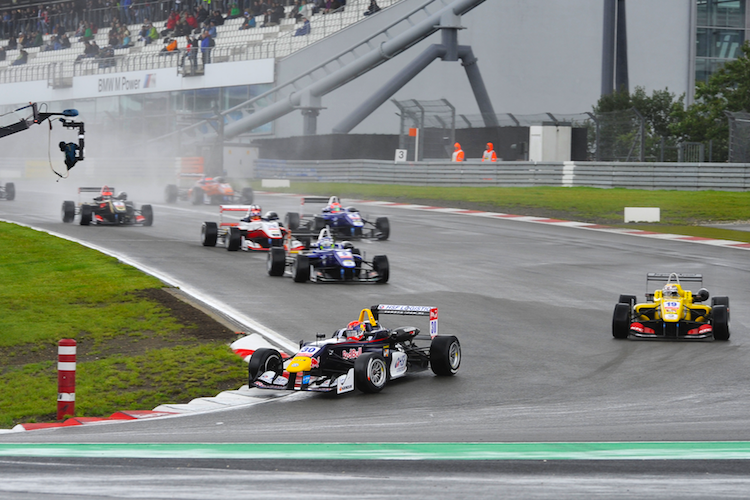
[
  {"x": 430, "y": 311},
  {"x": 231, "y": 208},
  {"x": 94, "y": 189},
  {"x": 312, "y": 200}
]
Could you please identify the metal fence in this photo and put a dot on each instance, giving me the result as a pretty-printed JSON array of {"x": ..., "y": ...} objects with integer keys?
[
  {"x": 679, "y": 176},
  {"x": 739, "y": 136}
]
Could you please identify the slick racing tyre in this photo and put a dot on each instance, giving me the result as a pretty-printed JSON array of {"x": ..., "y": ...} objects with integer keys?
[
  {"x": 301, "y": 269},
  {"x": 445, "y": 355},
  {"x": 86, "y": 213},
  {"x": 276, "y": 262},
  {"x": 262, "y": 361},
  {"x": 380, "y": 266},
  {"x": 291, "y": 221},
  {"x": 68, "y": 211},
  {"x": 171, "y": 192},
  {"x": 247, "y": 196},
  {"x": 148, "y": 215},
  {"x": 234, "y": 239},
  {"x": 370, "y": 372},
  {"x": 621, "y": 321},
  {"x": 721, "y": 301},
  {"x": 197, "y": 196},
  {"x": 209, "y": 234},
  {"x": 627, "y": 299},
  {"x": 383, "y": 228},
  {"x": 10, "y": 191},
  {"x": 720, "y": 322}
]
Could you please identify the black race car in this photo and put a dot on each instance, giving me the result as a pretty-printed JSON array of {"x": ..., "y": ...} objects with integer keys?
[
  {"x": 8, "y": 191},
  {"x": 365, "y": 355},
  {"x": 107, "y": 209}
]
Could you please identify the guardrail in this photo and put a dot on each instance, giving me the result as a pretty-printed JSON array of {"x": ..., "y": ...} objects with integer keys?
[{"x": 679, "y": 176}]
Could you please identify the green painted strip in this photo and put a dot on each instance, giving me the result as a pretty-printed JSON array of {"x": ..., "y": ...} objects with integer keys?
[{"x": 702, "y": 450}]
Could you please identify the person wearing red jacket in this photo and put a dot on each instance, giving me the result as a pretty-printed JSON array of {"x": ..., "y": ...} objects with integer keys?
[{"x": 458, "y": 153}]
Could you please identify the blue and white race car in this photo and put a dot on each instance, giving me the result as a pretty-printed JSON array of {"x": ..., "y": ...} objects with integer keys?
[
  {"x": 345, "y": 223},
  {"x": 328, "y": 261}
]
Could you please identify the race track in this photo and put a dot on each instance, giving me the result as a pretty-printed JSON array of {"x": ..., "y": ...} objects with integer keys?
[{"x": 532, "y": 306}]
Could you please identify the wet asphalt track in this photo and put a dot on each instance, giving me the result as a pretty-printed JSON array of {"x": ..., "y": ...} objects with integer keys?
[{"x": 532, "y": 307}]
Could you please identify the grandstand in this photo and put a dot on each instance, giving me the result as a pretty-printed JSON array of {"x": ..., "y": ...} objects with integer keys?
[{"x": 58, "y": 67}]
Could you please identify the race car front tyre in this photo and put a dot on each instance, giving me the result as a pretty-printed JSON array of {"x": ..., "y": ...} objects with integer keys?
[
  {"x": 247, "y": 196},
  {"x": 209, "y": 234},
  {"x": 720, "y": 322},
  {"x": 384, "y": 228},
  {"x": 627, "y": 299},
  {"x": 197, "y": 196},
  {"x": 380, "y": 266},
  {"x": 276, "y": 262},
  {"x": 291, "y": 221},
  {"x": 445, "y": 355},
  {"x": 86, "y": 212},
  {"x": 10, "y": 191},
  {"x": 148, "y": 215},
  {"x": 68, "y": 211},
  {"x": 171, "y": 192},
  {"x": 370, "y": 372},
  {"x": 621, "y": 321},
  {"x": 301, "y": 269},
  {"x": 721, "y": 301},
  {"x": 263, "y": 360},
  {"x": 234, "y": 239}
]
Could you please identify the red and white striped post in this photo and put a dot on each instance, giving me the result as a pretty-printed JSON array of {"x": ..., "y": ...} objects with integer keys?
[{"x": 66, "y": 378}]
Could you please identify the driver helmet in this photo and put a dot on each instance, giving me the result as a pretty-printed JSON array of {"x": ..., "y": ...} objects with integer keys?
[
  {"x": 670, "y": 291},
  {"x": 335, "y": 204},
  {"x": 106, "y": 191},
  {"x": 254, "y": 212},
  {"x": 355, "y": 330},
  {"x": 325, "y": 244}
]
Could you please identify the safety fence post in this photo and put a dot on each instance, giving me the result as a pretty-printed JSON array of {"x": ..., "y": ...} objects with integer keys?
[{"x": 66, "y": 378}]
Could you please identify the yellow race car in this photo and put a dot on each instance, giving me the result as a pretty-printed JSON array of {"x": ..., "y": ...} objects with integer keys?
[{"x": 672, "y": 312}]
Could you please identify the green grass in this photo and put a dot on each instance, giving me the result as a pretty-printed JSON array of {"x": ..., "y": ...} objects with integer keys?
[
  {"x": 133, "y": 354},
  {"x": 682, "y": 212}
]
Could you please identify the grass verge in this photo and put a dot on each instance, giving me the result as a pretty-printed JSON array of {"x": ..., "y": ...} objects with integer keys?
[{"x": 138, "y": 346}]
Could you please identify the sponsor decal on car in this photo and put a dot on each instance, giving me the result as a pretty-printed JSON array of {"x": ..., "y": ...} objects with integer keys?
[
  {"x": 351, "y": 353},
  {"x": 267, "y": 377},
  {"x": 345, "y": 383}
]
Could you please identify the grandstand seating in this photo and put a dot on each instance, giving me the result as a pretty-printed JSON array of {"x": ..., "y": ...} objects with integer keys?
[{"x": 232, "y": 44}]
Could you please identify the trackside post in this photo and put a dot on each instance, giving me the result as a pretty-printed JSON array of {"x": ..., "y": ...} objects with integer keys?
[{"x": 66, "y": 378}]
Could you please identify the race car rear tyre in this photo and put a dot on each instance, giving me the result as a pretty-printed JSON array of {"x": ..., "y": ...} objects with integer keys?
[
  {"x": 445, "y": 355},
  {"x": 627, "y": 299},
  {"x": 262, "y": 361},
  {"x": 86, "y": 212},
  {"x": 148, "y": 215},
  {"x": 276, "y": 262},
  {"x": 10, "y": 191},
  {"x": 209, "y": 234},
  {"x": 171, "y": 192},
  {"x": 247, "y": 196},
  {"x": 380, "y": 266},
  {"x": 234, "y": 239},
  {"x": 197, "y": 196},
  {"x": 721, "y": 301},
  {"x": 621, "y": 321},
  {"x": 291, "y": 220},
  {"x": 68, "y": 211},
  {"x": 720, "y": 322},
  {"x": 318, "y": 223},
  {"x": 370, "y": 372},
  {"x": 301, "y": 269},
  {"x": 384, "y": 228}
]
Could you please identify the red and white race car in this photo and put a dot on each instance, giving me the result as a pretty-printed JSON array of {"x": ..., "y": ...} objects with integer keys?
[{"x": 254, "y": 231}]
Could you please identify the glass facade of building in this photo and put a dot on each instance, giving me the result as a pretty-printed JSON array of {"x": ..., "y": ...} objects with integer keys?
[{"x": 720, "y": 32}]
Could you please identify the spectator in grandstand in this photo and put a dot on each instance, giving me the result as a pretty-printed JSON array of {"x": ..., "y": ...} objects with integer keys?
[
  {"x": 125, "y": 41},
  {"x": 256, "y": 9},
  {"x": 234, "y": 12},
  {"x": 249, "y": 22},
  {"x": 212, "y": 30},
  {"x": 38, "y": 40},
  {"x": 64, "y": 41},
  {"x": 23, "y": 58},
  {"x": 126, "y": 13},
  {"x": 172, "y": 21},
  {"x": 50, "y": 45},
  {"x": 201, "y": 14},
  {"x": 191, "y": 53},
  {"x": 152, "y": 35},
  {"x": 169, "y": 48},
  {"x": 191, "y": 21},
  {"x": 90, "y": 49},
  {"x": 3, "y": 55},
  {"x": 373, "y": 8},
  {"x": 206, "y": 47},
  {"x": 304, "y": 29},
  {"x": 106, "y": 57},
  {"x": 114, "y": 36},
  {"x": 268, "y": 19},
  {"x": 278, "y": 14},
  {"x": 308, "y": 8},
  {"x": 12, "y": 42}
]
